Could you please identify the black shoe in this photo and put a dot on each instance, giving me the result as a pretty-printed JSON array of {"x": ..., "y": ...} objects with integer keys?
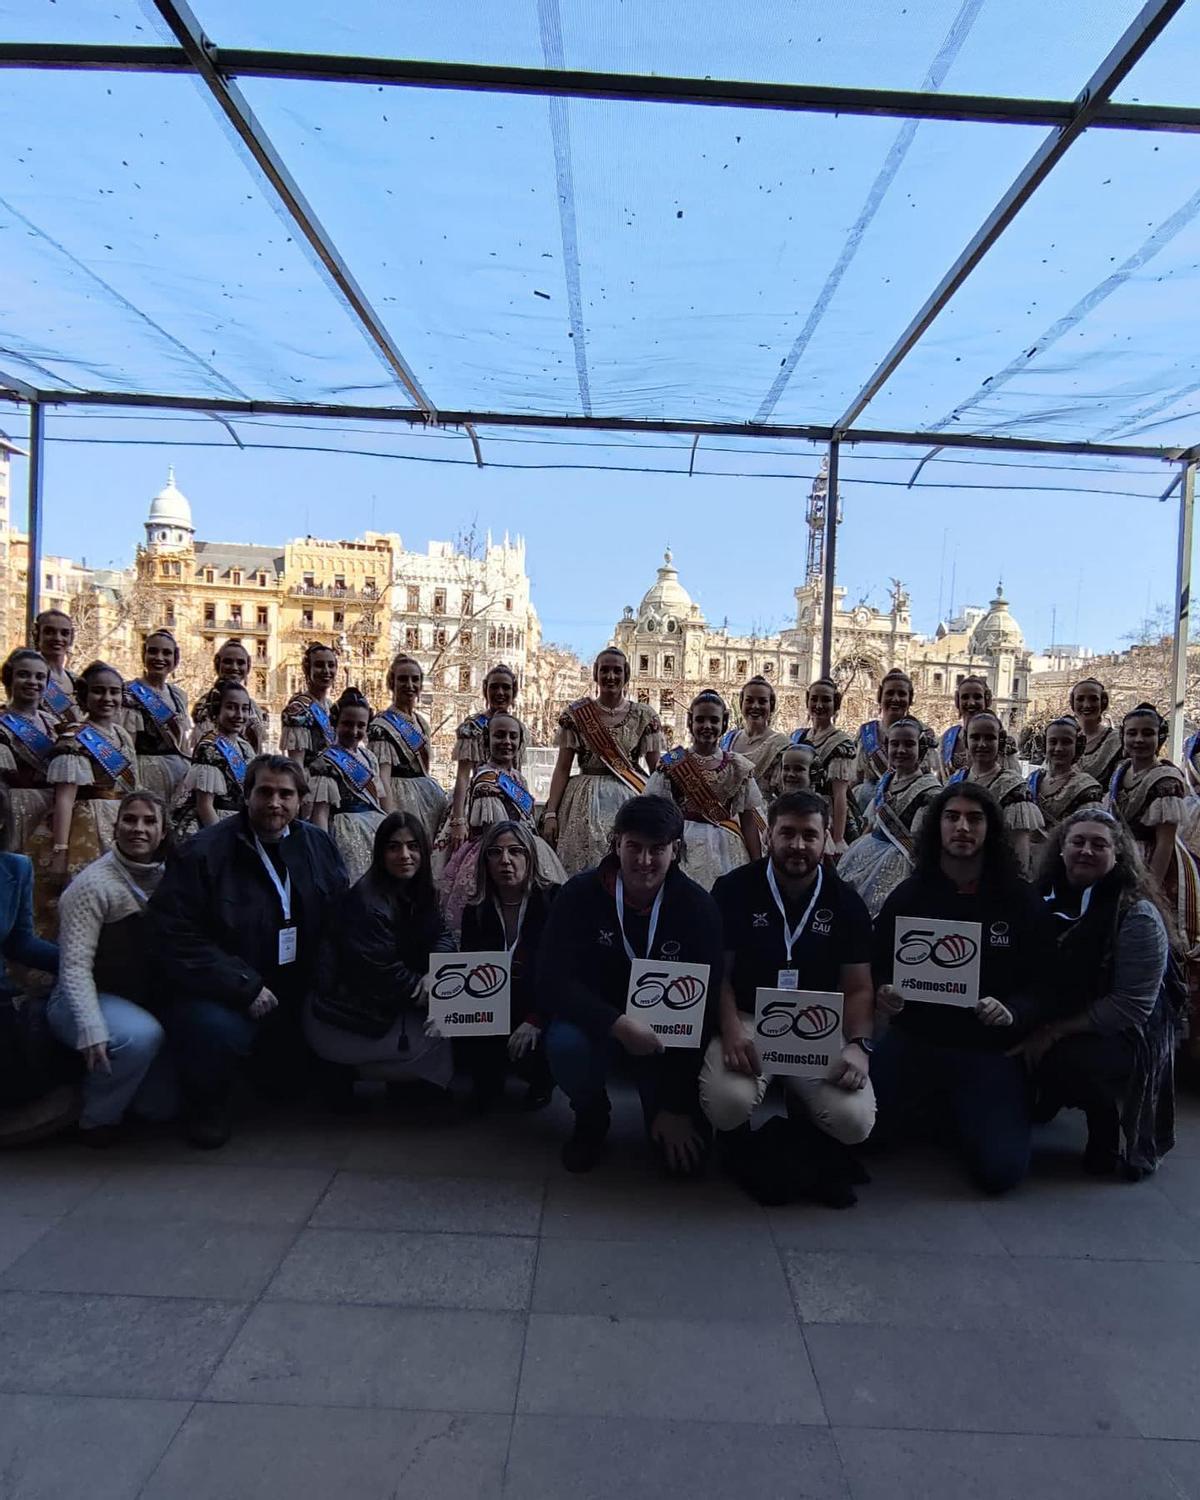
[
  {"x": 586, "y": 1146},
  {"x": 1102, "y": 1155},
  {"x": 207, "y": 1126}
]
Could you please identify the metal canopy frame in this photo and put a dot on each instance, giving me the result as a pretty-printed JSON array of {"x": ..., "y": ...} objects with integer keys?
[{"x": 217, "y": 68}]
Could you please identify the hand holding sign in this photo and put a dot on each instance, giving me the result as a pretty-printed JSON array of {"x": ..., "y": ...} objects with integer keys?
[
  {"x": 469, "y": 993},
  {"x": 937, "y": 961},
  {"x": 669, "y": 999}
]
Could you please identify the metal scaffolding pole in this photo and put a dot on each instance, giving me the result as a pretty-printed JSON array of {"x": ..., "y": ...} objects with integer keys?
[
  {"x": 1183, "y": 611},
  {"x": 831, "y": 522},
  {"x": 33, "y": 575}
]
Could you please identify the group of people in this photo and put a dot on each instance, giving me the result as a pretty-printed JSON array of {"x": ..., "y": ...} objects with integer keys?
[{"x": 210, "y": 909}]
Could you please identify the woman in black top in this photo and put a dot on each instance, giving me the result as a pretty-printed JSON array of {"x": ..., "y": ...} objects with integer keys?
[
  {"x": 368, "y": 1013},
  {"x": 507, "y": 913}
]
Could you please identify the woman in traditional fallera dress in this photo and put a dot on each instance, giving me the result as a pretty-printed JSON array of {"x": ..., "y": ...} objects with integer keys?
[
  {"x": 498, "y": 793},
  {"x": 876, "y": 864},
  {"x": 716, "y": 792},
  {"x": 1102, "y": 749},
  {"x": 399, "y": 741},
  {"x": 835, "y": 759},
  {"x": 972, "y": 696},
  {"x": 212, "y": 788},
  {"x": 91, "y": 768},
  {"x": 53, "y": 637},
  {"x": 27, "y": 734},
  {"x": 231, "y": 663},
  {"x": 895, "y": 697},
  {"x": 762, "y": 746},
  {"x": 796, "y": 768},
  {"x": 344, "y": 785},
  {"x": 1147, "y": 794},
  {"x": 985, "y": 738},
  {"x": 500, "y": 696},
  {"x": 156, "y": 717},
  {"x": 1059, "y": 787},
  {"x": 307, "y": 718},
  {"x": 611, "y": 738}
]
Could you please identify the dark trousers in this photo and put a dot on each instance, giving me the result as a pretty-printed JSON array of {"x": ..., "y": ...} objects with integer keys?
[
  {"x": 212, "y": 1044},
  {"x": 581, "y": 1067},
  {"x": 486, "y": 1062},
  {"x": 980, "y": 1097},
  {"x": 1088, "y": 1072}
]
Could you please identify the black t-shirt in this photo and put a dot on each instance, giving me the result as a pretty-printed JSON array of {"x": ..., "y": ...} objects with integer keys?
[{"x": 837, "y": 933}]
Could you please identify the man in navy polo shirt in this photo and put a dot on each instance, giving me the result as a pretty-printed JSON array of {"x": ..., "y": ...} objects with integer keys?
[{"x": 789, "y": 923}]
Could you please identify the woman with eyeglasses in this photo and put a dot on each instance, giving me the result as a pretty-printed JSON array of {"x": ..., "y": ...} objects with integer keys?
[
  {"x": 507, "y": 913},
  {"x": 1107, "y": 1046}
]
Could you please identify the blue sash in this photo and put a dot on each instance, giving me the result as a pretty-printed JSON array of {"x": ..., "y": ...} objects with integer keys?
[
  {"x": 409, "y": 733},
  {"x": 672, "y": 757},
  {"x": 56, "y": 700},
  {"x": 957, "y": 777},
  {"x": 104, "y": 753},
  {"x": 232, "y": 757},
  {"x": 799, "y": 737},
  {"x": 950, "y": 744},
  {"x": 869, "y": 734},
  {"x": 728, "y": 738},
  {"x": 515, "y": 793},
  {"x": 881, "y": 789},
  {"x": 321, "y": 720},
  {"x": 145, "y": 697},
  {"x": 350, "y": 766},
  {"x": 35, "y": 740},
  {"x": 1190, "y": 748},
  {"x": 1114, "y": 786},
  {"x": 1035, "y": 782}
]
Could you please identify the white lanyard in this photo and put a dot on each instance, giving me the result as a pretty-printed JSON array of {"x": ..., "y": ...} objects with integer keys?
[
  {"x": 508, "y": 947},
  {"x": 1084, "y": 903},
  {"x": 284, "y": 886},
  {"x": 792, "y": 936},
  {"x": 654, "y": 911}
]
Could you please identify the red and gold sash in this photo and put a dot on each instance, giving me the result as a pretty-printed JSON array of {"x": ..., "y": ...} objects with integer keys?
[
  {"x": 688, "y": 778},
  {"x": 600, "y": 741}
]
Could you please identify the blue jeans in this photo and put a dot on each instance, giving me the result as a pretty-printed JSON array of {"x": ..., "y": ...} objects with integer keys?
[
  {"x": 982, "y": 1096},
  {"x": 140, "y": 1072},
  {"x": 213, "y": 1043},
  {"x": 581, "y": 1065}
]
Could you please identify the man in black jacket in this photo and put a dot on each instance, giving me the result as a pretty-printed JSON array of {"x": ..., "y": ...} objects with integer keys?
[
  {"x": 636, "y": 902},
  {"x": 236, "y": 925},
  {"x": 948, "y": 1059}
]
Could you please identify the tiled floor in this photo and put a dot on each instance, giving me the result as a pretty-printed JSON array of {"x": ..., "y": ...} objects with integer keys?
[{"x": 376, "y": 1309}]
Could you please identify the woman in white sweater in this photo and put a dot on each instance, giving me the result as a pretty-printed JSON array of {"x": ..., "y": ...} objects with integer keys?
[{"x": 99, "y": 1005}]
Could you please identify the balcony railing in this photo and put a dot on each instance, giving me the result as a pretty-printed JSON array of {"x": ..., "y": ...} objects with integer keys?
[
  {"x": 237, "y": 627},
  {"x": 333, "y": 591}
]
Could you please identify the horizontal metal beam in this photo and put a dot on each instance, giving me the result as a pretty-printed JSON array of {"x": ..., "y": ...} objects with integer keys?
[
  {"x": 1134, "y": 42},
  {"x": 19, "y": 388},
  {"x": 905, "y": 104},
  {"x": 810, "y": 432},
  {"x": 229, "y": 99}
]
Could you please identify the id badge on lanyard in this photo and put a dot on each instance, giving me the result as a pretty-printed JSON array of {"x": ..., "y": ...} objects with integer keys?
[
  {"x": 287, "y": 931},
  {"x": 789, "y": 978}
]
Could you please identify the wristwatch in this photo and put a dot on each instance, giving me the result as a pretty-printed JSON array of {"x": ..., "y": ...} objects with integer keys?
[{"x": 865, "y": 1042}]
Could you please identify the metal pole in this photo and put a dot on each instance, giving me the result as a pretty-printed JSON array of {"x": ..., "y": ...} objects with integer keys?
[
  {"x": 1183, "y": 611},
  {"x": 831, "y": 514},
  {"x": 33, "y": 575}
]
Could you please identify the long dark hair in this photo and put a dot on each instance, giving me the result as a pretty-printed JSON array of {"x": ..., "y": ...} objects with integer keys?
[
  {"x": 999, "y": 862},
  {"x": 421, "y": 893}
]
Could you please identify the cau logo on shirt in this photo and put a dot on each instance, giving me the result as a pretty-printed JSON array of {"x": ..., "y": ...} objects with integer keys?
[
  {"x": 822, "y": 922},
  {"x": 998, "y": 935}
]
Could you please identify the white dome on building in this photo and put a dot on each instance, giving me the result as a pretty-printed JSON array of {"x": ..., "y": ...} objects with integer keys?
[
  {"x": 170, "y": 507},
  {"x": 998, "y": 630},
  {"x": 667, "y": 599}
]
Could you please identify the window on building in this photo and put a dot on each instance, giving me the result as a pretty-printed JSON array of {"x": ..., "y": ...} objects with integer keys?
[
  {"x": 960, "y": 678},
  {"x": 306, "y": 619},
  {"x": 644, "y": 666},
  {"x": 339, "y": 583},
  {"x": 439, "y": 636},
  {"x": 666, "y": 699},
  {"x": 165, "y": 569},
  {"x": 210, "y": 614},
  {"x": 439, "y": 601},
  {"x": 509, "y": 640},
  {"x": 235, "y": 614},
  {"x": 260, "y": 679},
  {"x": 464, "y": 679},
  {"x": 339, "y": 619},
  {"x": 176, "y": 570},
  {"x": 260, "y": 650},
  {"x": 1016, "y": 686},
  {"x": 414, "y": 598},
  {"x": 937, "y": 680},
  {"x": 643, "y": 695},
  {"x": 262, "y": 580},
  {"x": 468, "y": 639},
  {"x": 208, "y": 575},
  {"x": 491, "y": 635},
  {"x": 412, "y": 638},
  {"x": 768, "y": 669},
  {"x": 794, "y": 671},
  {"x": 714, "y": 666},
  {"x": 468, "y": 602},
  {"x": 672, "y": 627},
  {"x": 261, "y": 615},
  {"x": 508, "y": 603},
  {"x": 309, "y": 581},
  {"x": 741, "y": 666},
  {"x": 668, "y": 666},
  {"x": 236, "y": 577},
  {"x": 169, "y": 614},
  {"x": 369, "y": 587}
]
